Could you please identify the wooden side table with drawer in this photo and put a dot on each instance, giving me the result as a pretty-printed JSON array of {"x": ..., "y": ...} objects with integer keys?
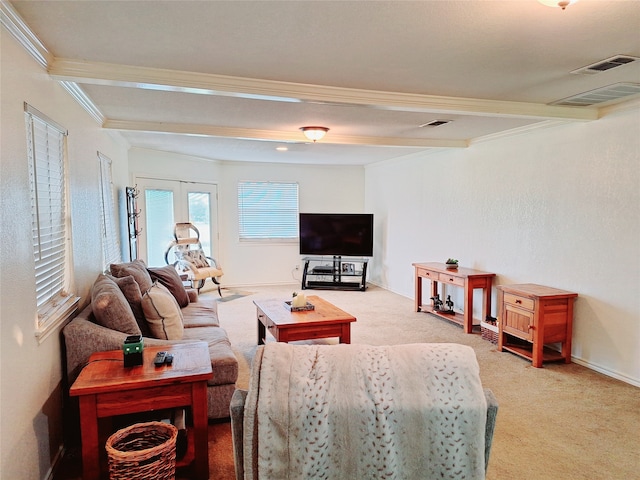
[{"x": 530, "y": 316}]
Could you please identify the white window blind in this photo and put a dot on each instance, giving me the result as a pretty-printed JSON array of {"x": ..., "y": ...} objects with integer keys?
[
  {"x": 110, "y": 244},
  {"x": 46, "y": 154},
  {"x": 268, "y": 211}
]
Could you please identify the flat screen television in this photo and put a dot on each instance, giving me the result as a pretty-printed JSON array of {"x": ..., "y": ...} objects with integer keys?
[{"x": 337, "y": 234}]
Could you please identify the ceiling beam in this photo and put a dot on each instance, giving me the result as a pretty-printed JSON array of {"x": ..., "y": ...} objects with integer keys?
[
  {"x": 275, "y": 136},
  {"x": 211, "y": 84}
]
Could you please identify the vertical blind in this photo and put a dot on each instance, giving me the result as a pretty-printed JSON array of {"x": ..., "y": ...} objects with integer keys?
[
  {"x": 46, "y": 152},
  {"x": 268, "y": 210},
  {"x": 110, "y": 242}
]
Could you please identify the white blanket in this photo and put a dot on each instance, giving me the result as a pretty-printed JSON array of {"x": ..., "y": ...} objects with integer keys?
[{"x": 413, "y": 411}]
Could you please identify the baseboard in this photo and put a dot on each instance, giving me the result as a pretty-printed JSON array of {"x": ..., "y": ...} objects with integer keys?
[{"x": 605, "y": 371}]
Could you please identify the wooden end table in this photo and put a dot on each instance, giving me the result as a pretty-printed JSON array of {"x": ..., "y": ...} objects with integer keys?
[
  {"x": 537, "y": 315},
  {"x": 106, "y": 388},
  {"x": 326, "y": 320}
]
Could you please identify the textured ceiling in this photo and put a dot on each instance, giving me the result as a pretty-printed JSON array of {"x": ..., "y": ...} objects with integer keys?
[{"x": 232, "y": 80}]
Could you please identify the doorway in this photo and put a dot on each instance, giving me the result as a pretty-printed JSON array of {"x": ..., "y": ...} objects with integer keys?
[{"x": 163, "y": 203}]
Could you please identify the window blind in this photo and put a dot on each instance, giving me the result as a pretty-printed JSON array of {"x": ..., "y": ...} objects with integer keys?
[
  {"x": 46, "y": 152},
  {"x": 268, "y": 211},
  {"x": 110, "y": 243}
]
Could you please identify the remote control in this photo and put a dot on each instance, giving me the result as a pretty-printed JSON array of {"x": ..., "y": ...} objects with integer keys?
[
  {"x": 168, "y": 359},
  {"x": 159, "y": 360}
]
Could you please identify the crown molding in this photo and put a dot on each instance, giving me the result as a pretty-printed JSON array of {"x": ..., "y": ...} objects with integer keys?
[
  {"x": 276, "y": 136},
  {"x": 81, "y": 97},
  {"x": 211, "y": 84},
  {"x": 12, "y": 21},
  {"x": 517, "y": 131}
]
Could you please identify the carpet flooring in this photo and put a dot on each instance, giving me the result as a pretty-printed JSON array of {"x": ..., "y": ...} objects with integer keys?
[{"x": 563, "y": 421}]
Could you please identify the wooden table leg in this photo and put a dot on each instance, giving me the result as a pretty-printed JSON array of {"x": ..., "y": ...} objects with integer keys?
[
  {"x": 418, "y": 294},
  {"x": 538, "y": 348},
  {"x": 345, "y": 336},
  {"x": 200, "y": 429},
  {"x": 89, "y": 435},
  {"x": 468, "y": 308},
  {"x": 262, "y": 331},
  {"x": 486, "y": 304}
]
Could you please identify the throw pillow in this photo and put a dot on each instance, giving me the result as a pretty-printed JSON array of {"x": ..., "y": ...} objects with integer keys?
[
  {"x": 129, "y": 287},
  {"x": 110, "y": 307},
  {"x": 137, "y": 268},
  {"x": 198, "y": 258},
  {"x": 168, "y": 277},
  {"x": 195, "y": 257},
  {"x": 162, "y": 313}
]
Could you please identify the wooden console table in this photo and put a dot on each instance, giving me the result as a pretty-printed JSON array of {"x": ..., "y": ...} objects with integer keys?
[
  {"x": 462, "y": 277},
  {"x": 107, "y": 388}
]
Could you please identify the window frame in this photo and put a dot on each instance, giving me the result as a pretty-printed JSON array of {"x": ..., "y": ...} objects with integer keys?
[
  {"x": 47, "y": 158},
  {"x": 255, "y": 199}
]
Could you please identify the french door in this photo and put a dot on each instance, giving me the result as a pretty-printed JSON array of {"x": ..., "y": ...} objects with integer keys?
[{"x": 163, "y": 203}]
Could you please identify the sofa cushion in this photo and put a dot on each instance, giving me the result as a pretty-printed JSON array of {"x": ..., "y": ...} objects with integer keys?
[
  {"x": 129, "y": 287},
  {"x": 223, "y": 360},
  {"x": 203, "y": 313},
  {"x": 168, "y": 276},
  {"x": 137, "y": 268},
  {"x": 110, "y": 307},
  {"x": 162, "y": 313}
]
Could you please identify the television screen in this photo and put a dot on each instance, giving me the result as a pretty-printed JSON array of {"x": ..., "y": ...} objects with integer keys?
[{"x": 348, "y": 234}]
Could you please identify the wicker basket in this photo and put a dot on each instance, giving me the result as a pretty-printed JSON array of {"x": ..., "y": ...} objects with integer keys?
[
  {"x": 489, "y": 332},
  {"x": 144, "y": 451}
]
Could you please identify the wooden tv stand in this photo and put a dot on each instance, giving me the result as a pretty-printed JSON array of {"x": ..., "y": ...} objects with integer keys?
[{"x": 462, "y": 277}]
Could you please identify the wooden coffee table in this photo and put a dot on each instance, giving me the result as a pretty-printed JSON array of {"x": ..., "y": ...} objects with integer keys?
[
  {"x": 326, "y": 320},
  {"x": 107, "y": 388}
]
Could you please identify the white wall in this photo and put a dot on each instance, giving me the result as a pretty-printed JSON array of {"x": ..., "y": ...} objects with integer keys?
[
  {"x": 31, "y": 374},
  {"x": 559, "y": 207},
  {"x": 321, "y": 189}
]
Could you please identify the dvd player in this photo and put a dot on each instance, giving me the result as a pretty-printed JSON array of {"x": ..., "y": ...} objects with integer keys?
[{"x": 323, "y": 269}]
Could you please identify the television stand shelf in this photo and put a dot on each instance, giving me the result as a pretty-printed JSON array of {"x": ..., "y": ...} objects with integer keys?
[{"x": 335, "y": 273}]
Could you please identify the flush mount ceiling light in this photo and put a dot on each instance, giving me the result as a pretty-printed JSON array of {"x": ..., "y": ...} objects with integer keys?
[
  {"x": 557, "y": 3},
  {"x": 314, "y": 133}
]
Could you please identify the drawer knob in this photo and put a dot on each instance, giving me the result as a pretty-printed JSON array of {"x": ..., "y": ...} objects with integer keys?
[
  {"x": 531, "y": 327},
  {"x": 518, "y": 301}
]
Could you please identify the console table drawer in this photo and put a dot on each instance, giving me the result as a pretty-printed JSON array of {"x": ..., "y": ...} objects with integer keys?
[
  {"x": 518, "y": 301},
  {"x": 428, "y": 274},
  {"x": 444, "y": 278}
]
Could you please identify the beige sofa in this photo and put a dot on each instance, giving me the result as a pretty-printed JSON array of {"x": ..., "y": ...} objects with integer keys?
[{"x": 122, "y": 303}]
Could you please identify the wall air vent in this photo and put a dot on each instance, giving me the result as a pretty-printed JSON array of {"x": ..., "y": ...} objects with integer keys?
[
  {"x": 600, "y": 95},
  {"x": 607, "y": 64},
  {"x": 435, "y": 123}
]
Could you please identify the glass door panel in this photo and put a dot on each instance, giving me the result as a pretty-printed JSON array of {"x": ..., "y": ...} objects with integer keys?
[
  {"x": 165, "y": 202},
  {"x": 159, "y": 224},
  {"x": 199, "y": 206}
]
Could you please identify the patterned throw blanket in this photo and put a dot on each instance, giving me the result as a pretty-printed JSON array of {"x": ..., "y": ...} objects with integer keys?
[{"x": 413, "y": 411}]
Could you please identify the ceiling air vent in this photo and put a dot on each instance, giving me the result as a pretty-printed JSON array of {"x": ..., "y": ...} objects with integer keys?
[
  {"x": 435, "y": 123},
  {"x": 600, "y": 95},
  {"x": 607, "y": 64}
]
